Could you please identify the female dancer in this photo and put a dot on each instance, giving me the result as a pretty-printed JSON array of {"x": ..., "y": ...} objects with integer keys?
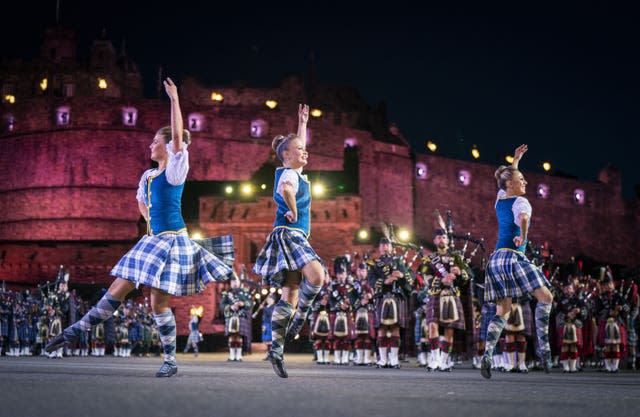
[
  {"x": 165, "y": 258},
  {"x": 287, "y": 260},
  {"x": 509, "y": 274}
]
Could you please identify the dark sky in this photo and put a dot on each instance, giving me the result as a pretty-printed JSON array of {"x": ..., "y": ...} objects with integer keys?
[{"x": 564, "y": 81}]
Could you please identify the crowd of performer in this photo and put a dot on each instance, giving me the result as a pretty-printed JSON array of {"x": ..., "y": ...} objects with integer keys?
[{"x": 371, "y": 311}]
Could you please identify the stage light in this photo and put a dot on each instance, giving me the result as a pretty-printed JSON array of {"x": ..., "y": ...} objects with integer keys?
[
  {"x": 546, "y": 166},
  {"x": 475, "y": 152},
  {"x": 404, "y": 235},
  {"x": 264, "y": 291},
  {"x": 263, "y": 186},
  {"x": 247, "y": 189},
  {"x": 272, "y": 290},
  {"x": 43, "y": 84},
  {"x": 363, "y": 234},
  {"x": 228, "y": 189},
  {"x": 102, "y": 83},
  {"x": 258, "y": 296},
  {"x": 318, "y": 190},
  {"x": 217, "y": 97},
  {"x": 316, "y": 112},
  {"x": 279, "y": 290},
  {"x": 432, "y": 146},
  {"x": 509, "y": 159},
  {"x": 196, "y": 235},
  {"x": 9, "y": 98},
  {"x": 272, "y": 104}
]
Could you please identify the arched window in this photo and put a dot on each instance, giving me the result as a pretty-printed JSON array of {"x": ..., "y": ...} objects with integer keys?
[
  {"x": 195, "y": 122},
  {"x": 421, "y": 171},
  {"x": 63, "y": 115},
  {"x": 543, "y": 191},
  {"x": 464, "y": 177},
  {"x": 579, "y": 196},
  {"x": 259, "y": 128},
  {"x": 129, "y": 116}
]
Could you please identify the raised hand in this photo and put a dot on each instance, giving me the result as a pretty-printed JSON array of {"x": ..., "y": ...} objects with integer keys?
[
  {"x": 171, "y": 89},
  {"x": 520, "y": 150},
  {"x": 303, "y": 113}
]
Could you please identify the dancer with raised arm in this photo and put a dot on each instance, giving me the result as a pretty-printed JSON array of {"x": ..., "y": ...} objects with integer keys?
[
  {"x": 509, "y": 273},
  {"x": 165, "y": 259},
  {"x": 287, "y": 260}
]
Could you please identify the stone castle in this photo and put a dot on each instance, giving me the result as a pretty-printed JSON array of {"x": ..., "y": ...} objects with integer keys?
[{"x": 74, "y": 141}]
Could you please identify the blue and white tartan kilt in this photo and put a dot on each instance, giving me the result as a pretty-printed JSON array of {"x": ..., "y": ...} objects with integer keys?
[
  {"x": 510, "y": 274},
  {"x": 284, "y": 250},
  {"x": 176, "y": 264}
]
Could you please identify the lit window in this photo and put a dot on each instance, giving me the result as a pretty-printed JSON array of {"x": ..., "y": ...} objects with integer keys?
[
  {"x": 421, "y": 171},
  {"x": 316, "y": 113},
  {"x": 543, "y": 191},
  {"x": 259, "y": 128},
  {"x": 9, "y": 123},
  {"x": 195, "y": 122},
  {"x": 464, "y": 177},
  {"x": 10, "y": 98},
  {"x": 63, "y": 115},
  {"x": 129, "y": 116},
  {"x": 579, "y": 196},
  {"x": 102, "y": 83},
  {"x": 44, "y": 83},
  {"x": 68, "y": 89},
  {"x": 350, "y": 143}
]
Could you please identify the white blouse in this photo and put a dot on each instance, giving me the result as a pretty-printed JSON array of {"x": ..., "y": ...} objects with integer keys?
[{"x": 176, "y": 171}]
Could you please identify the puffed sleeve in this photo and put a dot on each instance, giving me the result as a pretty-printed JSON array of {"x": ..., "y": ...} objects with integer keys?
[
  {"x": 141, "y": 194},
  {"x": 178, "y": 165},
  {"x": 291, "y": 177},
  {"x": 520, "y": 206}
]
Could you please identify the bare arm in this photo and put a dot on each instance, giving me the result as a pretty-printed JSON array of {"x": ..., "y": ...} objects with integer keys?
[
  {"x": 523, "y": 219},
  {"x": 303, "y": 117},
  {"x": 176, "y": 115},
  {"x": 520, "y": 150},
  {"x": 143, "y": 210},
  {"x": 290, "y": 199}
]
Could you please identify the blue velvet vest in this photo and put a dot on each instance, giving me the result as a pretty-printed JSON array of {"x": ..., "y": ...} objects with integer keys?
[
  {"x": 507, "y": 229},
  {"x": 164, "y": 201},
  {"x": 303, "y": 203}
]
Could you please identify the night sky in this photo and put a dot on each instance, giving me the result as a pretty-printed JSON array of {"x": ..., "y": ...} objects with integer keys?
[{"x": 563, "y": 81}]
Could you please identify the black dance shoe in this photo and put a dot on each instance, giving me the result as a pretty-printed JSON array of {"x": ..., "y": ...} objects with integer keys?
[
  {"x": 66, "y": 337},
  {"x": 278, "y": 365},
  {"x": 485, "y": 367},
  {"x": 166, "y": 370}
]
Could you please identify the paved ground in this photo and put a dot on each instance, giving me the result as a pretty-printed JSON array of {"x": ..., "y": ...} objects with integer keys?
[{"x": 210, "y": 386}]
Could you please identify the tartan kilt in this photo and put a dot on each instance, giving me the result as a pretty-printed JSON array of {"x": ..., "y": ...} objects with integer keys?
[
  {"x": 176, "y": 264},
  {"x": 527, "y": 318},
  {"x": 487, "y": 314},
  {"x": 432, "y": 312},
  {"x": 623, "y": 335},
  {"x": 245, "y": 327},
  {"x": 510, "y": 274},
  {"x": 284, "y": 250},
  {"x": 402, "y": 311},
  {"x": 560, "y": 337},
  {"x": 351, "y": 327}
]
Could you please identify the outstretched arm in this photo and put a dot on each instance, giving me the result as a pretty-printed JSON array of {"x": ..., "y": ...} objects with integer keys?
[
  {"x": 520, "y": 150},
  {"x": 176, "y": 115},
  {"x": 303, "y": 118}
]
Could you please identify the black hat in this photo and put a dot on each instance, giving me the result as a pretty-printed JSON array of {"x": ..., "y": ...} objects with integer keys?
[
  {"x": 384, "y": 240},
  {"x": 339, "y": 268},
  {"x": 362, "y": 265},
  {"x": 439, "y": 232}
]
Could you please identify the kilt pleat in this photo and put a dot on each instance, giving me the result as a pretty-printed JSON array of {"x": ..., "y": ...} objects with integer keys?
[
  {"x": 510, "y": 274},
  {"x": 176, "y": 264},
  {"x": 284, "y": 250}
]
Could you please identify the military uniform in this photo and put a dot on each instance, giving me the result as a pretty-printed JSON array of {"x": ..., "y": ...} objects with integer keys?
[{"x": 237, "y": 320}]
